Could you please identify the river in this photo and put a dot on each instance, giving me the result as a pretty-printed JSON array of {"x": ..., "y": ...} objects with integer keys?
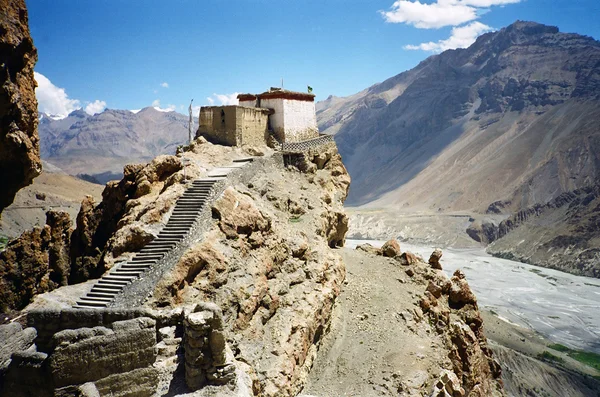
[{"x": 562, "y": 307}]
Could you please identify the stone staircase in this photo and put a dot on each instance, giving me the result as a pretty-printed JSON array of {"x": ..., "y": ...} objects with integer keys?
[{"x": 184, "y": 215}]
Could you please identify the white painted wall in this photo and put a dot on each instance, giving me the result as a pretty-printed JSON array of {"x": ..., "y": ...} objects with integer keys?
[
  {"x": 300, "y": 120},
  {"x": 292, "y": 120},
  {"x": 276, "y": 119}
]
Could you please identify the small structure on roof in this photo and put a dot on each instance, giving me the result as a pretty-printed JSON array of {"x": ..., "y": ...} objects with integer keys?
[{"x": 282, "y": 115}]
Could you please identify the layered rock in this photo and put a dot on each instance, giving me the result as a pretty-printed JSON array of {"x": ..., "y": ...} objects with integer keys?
[
  {"x": 561, "y": 234},
  {"x": 19, "y": 143},
  {"x": 36, "y": 262}
]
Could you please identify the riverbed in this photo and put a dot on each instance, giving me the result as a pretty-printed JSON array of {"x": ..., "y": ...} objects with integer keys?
[{"x": 562, "y": 307}]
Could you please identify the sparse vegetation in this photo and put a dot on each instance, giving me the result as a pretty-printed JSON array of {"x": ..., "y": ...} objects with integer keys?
[
  {"x": 3, "y": 242},
  {"x": 547, "y": 356},
  {"x": 588, "y": 358},
  {"x": 294, "y": 219}
]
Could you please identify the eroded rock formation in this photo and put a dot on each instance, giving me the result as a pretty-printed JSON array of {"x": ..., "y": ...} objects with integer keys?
[
  {"x": 36, "y": 262},
  {"x": 267, "y": 263},
  {"x": 19, "y": 143}
]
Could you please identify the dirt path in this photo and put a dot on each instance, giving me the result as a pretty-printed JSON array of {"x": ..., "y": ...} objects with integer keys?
[{"x": 375, "y": 347}]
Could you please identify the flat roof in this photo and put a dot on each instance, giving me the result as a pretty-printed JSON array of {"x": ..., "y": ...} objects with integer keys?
[{"x": 275, "y": 93}]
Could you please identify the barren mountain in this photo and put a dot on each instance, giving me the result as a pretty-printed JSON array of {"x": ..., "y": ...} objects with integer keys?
[
  {"x": 99, "y": 146},
  {"x": 513, "y": 117}
]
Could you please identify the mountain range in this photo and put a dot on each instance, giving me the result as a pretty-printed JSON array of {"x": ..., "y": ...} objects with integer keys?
[
  {"x": 505, "y": 127},
  {"x": 513, "y": 117},
  {"x": 97, "y": 147}
]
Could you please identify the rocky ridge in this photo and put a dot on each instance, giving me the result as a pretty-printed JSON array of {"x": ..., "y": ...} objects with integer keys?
[
  {"x": 402, "y": 327},
  {"x": 563, "y": 234},
  {"x": 19, "y": 142}
]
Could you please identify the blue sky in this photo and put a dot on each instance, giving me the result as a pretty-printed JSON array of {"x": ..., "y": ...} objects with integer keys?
[{"x": 129, "y": 54}]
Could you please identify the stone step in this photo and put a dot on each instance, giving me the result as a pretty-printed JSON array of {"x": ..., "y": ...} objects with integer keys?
[
  {"x": 168, "y": 245},
  {"x": 125, "y": 272},
  {"x": 112, "y": 282},
  {"x": 123, "y": 279},
  {"x": 243, "y": 160},
  {"x": 89, "y": 304},
  {"x": 151, "y": 250},
  {"x": 97, "y": 299},
  {"x": 103, "y": 290},
  {"x": 93, "y": 294},
  {"x": 146, "y": 255},
  {"x": 109, "y": 285},
  {"x": 141, "y": 268}
]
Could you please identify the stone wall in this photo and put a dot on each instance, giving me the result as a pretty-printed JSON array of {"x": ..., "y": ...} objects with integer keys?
[
  {"x": 234, "y": 125},
  {"x": 113, "y": 359},
  {"x": 114, "y": 352}
]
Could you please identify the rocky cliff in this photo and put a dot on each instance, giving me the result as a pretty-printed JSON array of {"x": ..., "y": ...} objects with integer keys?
[
  {"x": 19, "y": 143},
  {"x": 563, "y": 234},
  {"x": 245, "y": 307}
]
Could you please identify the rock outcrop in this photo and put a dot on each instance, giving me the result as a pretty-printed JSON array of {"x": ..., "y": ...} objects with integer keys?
[
  {"x": 452, "y": 308},
  {"x": 266, "y": 262},
  {"x": 560, "y": 234},
  {"x": 19, "y": 143},
  {"x": 38, "y": 261}
]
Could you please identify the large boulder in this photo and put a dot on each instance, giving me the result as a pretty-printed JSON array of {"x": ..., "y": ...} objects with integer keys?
[
  {"x": 391, "y": 248},
  {"x": 19, "y": 142}
]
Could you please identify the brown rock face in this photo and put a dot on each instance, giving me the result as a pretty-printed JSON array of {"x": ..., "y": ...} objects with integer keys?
[
  {"x": 106, "y": 230},
  {"x": 434, "y": 259},
  {"x": 391, "y": 248},
  {"x": 452, "y": 307},
  {"x": 36, "y": 262},
  {"x": 19, "y": 142},
  {"x": 238, "y": 215},
  {"x": 270, "y": 268}
]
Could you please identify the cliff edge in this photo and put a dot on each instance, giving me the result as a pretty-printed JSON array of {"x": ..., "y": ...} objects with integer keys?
[{"x": 19, "y": 143}]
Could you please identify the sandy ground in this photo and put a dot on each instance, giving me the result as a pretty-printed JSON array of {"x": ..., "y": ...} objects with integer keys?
[
  {"x": 374, "y": 345},
  {"x": 49, "y": 191}
]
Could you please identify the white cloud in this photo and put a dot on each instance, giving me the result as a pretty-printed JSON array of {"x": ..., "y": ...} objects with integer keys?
[
  {"x": 53, "y": 100},
  {"x": 224, "y": 99},
  {"x": 95, "y": 107},
  {"x": 428, "y": 16},
  {"x": 156, "y": 105},
  {"x": 439, "y": 13},
  {"x": 461, "y": 37},
  {"x": 164, "y": 85}
]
